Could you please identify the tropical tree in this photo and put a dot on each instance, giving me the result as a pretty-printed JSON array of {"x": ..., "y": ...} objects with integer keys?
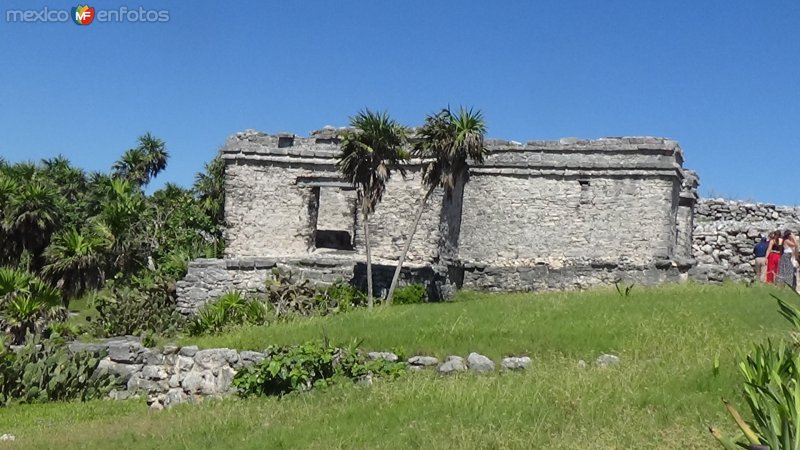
[
  {"x": 143, "y": 163},
  {"x": 31, "y": 215},
  {"x": 209, "y": 187},
  {"x": 446, "y": 143},
  {"x": 27, "y": 303},
  {"x": 76, "y": 262},
  {"x": 369, "y": 152}
]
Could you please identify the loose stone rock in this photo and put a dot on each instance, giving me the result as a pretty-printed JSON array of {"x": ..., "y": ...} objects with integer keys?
[
  {"x": 387, "y": 356},
  {"x": 188, "y": 351},
  {"x": 453, "y": 364},
  {"x": 606, "y": 360},
  {"x": 479, "y": 363},
  {"x": 423, "y": 361},
  {"x": 581, "y": 364},
  {"x": 516, "y": 363}
]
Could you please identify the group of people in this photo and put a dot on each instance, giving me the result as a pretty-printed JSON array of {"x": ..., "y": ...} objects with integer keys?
[{"x": 777, "y": 258}]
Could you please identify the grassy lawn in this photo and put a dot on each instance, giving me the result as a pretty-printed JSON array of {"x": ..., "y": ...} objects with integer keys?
[{"x": 662, "y": 395}]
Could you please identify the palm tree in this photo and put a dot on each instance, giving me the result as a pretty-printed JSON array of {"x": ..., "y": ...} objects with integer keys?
[
  {"x": 446, "y": 143},
  {"x": 132, "y": 166},
  {"x": 143, "y": 163},
  {"x": 156, "y": 154},
  {"x": 76, "y": 262},
  {"x": 369, "y": 153},
  {"x": 32, "y": 214},
  {"x": 209, "y": 187}
]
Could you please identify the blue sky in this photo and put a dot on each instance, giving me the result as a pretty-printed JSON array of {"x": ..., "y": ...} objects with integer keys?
[{"x": 721, "y": 77}]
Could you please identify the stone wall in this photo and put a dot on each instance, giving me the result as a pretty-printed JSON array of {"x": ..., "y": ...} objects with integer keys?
[
  {"x": 541, "y": 215},
  {"x": 170, "y": 375},
  {"x": 208, "y": 279},
  {"x": 560, "y": 221},
  {"x": 726, "y": 231}
]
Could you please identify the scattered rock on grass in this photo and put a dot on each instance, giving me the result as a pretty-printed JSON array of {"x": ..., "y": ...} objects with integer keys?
[
  {"x": 8, "y": 437},
  {"x": 479, "y": 363},
  {"x": 387, "y": 356},
  {"x": 606, "y": 360},
  {"x": 581, "y": 364},
  {"x": 423, "y": 361},
  {"x": 452, "y": 365},
  {"x": 516, "y": 363}
]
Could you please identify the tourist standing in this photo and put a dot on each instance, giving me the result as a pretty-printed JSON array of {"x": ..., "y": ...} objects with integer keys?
[
  {"x": 786, "y": 269},
  {"x": 760, "y": 252},
  {"x": 774, "y": 251}
]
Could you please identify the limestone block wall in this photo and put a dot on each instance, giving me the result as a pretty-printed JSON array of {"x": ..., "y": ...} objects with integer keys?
[
  {"x": 726, "y": 231},
  {"x": 389, "y": 224},
  {"x": 540, "y": 215},
  {"x": 273, "y": 214},
  {"x": 555, "y": 220},
  {"x": 208, "y": 279}
]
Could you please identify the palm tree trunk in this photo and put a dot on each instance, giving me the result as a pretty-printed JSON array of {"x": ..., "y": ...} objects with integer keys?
[
  {"x": 412, "y": 231},
  {"x": 369, "y": 259}
]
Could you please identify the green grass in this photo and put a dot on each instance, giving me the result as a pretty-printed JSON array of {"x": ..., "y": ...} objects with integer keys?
[{"x": 662, "y": 395}]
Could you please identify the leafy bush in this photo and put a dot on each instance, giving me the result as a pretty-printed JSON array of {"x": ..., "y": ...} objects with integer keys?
[
  {"x": 229, "y": 310},
  {"x": 313, "y": 364},
  {"x": 411, "y": 294},
  {"x": 130, "y": 311},
  {"x": 290, "y": 297},
  {"x": 27, "y": 304},
  {"x": 46, "y": 370},
  {"x": 340, "y": 297}
]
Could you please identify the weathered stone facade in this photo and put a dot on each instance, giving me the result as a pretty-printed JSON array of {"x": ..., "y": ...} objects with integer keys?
[
  {"x": 542, "y": 215},
  {"x": 726, "y": 232}
]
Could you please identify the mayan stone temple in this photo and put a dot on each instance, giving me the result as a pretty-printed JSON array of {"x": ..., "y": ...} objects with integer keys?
[{"x": 543, "y": 215}]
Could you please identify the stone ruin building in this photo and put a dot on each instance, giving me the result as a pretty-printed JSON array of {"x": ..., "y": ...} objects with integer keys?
[{"x": 543, "y": 215}]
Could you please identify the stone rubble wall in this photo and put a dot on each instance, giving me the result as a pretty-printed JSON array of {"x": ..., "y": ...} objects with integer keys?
[
  {"x": 172, "y": 375},
  {"x": 726, "y": 231},
  {"x": 208, "y": 279},
  {"x": 558, "y": 221}
]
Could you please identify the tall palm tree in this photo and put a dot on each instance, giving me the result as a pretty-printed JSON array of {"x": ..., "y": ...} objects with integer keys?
[
  {"x": 209, "y": 187},
  {"x": 446, "y": 143},
  {"x": 370, "y": 151},
  {"x": 31, "y": 215},
  {"x": 76, "y": 262},
  {"x": 156, "y": 154},
  {"x": 132, "y": 166},
  {"x": 143, "y": 163}
]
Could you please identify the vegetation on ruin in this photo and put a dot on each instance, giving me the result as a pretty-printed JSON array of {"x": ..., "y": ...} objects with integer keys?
[
  {"x": 370, "y": 152},
  {"x": 663, "y": 394}
]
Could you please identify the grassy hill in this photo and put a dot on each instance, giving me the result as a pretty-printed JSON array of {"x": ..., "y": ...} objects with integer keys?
[{"x": 662, "y": 395}]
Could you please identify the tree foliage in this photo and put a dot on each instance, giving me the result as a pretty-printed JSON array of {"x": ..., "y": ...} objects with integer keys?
[{"x": 74, "y": 231}]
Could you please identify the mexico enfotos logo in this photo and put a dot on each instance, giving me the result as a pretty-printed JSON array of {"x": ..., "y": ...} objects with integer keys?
[{"x": 85, "y": 15}]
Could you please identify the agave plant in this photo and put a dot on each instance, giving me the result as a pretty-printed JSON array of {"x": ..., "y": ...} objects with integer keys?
[{"x": 771, "y": 375}]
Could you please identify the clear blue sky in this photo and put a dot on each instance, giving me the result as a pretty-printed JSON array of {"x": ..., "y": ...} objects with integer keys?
[{"x": 721, "y": 77}]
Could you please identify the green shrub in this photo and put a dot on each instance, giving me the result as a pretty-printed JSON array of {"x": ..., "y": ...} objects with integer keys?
[
  {"x": 407, "y": 295},
  {"x": 340, "y": 297},
  {"x": 290, "y": 297},
  {"x": 771, "y": 390},
  {"x": 232, "y": 309},
  {"x": 303, "y": 367},
  {"x": 46, "y": 370},
  {"x": 27, "y": 304},
  {"x": 131, "y": 311}
]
